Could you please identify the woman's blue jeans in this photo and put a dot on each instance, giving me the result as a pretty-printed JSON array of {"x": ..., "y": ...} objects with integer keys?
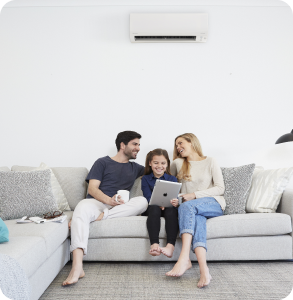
[{"x": 193, "y": 216}]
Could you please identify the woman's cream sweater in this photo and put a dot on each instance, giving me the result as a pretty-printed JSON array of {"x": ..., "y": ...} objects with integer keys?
[{"x": 206, "y": 179}]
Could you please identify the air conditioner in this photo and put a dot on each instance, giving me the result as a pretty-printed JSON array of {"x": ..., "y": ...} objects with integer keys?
[{"x": 179, "y": 27}]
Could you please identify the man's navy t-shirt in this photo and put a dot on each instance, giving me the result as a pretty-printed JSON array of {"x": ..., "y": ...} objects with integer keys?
[{"x": 114, "y": 176}]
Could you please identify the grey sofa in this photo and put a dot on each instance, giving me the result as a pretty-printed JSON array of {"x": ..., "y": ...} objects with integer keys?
[{"x": 43, "y": 249}]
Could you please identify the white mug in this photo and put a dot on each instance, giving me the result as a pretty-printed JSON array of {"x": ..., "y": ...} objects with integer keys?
[
  {"x": 124, "y": 194},
  {"x": 180, "y": 198}
]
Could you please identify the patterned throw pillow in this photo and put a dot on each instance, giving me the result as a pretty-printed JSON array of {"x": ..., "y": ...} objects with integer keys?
[
  {"x": 237, "y": 183},
  {"x": 26, "y": 194},
  {"x": 266, "y": 189}
]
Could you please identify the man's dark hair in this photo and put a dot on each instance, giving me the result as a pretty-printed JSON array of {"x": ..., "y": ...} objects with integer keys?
[{"x": 126, "y": 137}]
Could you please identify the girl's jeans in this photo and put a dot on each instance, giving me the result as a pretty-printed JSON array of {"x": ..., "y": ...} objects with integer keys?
[{"x": 193, "y": 216}]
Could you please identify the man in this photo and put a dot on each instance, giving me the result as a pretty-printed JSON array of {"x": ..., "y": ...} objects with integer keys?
[{"x": 106, "y": 177}]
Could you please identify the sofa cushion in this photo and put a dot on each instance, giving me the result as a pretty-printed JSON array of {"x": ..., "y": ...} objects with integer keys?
[
  {"x": 71, "y": 179},
  {"x": 237, "y": 184},
  {"x": 256, "y": 224},
  {"x": 29, "y": 251},
  {"x": 266, "y": 189},
  {"x": 54, "y": 234},
  {"x": 26, "y": 194}
]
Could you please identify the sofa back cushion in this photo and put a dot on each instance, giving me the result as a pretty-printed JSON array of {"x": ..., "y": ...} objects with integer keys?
[{"x": 71, "y": 179}]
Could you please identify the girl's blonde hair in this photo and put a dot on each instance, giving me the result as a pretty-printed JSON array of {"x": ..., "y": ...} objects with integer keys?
[
  {"x": 149, "y": 158},
  {"x": 184, "y": 173}
]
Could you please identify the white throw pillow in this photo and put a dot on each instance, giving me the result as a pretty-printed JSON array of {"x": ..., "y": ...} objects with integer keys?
[
  {"x": 6, "y": 169},
  {"x": 58, "y": 193},
  {"x": 266, "y": 189}
]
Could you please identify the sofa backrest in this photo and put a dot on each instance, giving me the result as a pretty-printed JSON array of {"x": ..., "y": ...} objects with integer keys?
[{"x": 71, "y": 179}]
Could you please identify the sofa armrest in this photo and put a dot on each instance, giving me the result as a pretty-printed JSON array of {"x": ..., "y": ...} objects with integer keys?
[{"x": 286, "y": 203}]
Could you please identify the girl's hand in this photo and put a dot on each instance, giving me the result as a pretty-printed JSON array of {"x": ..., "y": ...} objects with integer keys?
[
  {"x": 162, "y": 207},
  {"x": 187, "y": 197},
  {"x": 175, "y": 202}
]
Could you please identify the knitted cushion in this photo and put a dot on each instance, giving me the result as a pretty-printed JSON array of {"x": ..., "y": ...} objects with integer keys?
[
  {"x": 237, "y": 183},
  {"x": 26, "y": 194}
]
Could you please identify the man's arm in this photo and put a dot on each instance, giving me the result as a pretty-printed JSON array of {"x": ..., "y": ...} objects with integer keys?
[{"x": 95, "y": 192}]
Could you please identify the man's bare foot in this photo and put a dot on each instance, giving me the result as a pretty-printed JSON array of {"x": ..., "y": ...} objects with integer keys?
[
  {"x": 73, "y": 276},
  {"x": 155, "y": 250},
  {"x": 69, "y": 224},
  {"x": 180, "y": 267},
  {"x": 205, "y": 278},
  {"x": 168, "y": 250},
  {"x": 100, "y": 217}
]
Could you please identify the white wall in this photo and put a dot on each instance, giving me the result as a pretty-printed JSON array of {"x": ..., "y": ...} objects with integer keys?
[{"x": 70, "y": 80}]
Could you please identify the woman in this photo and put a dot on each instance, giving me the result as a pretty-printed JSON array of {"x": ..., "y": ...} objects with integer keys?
[{"x": 202, "y": 188}]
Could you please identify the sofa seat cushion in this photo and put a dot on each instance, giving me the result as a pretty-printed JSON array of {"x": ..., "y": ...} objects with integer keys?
[
  {"x": 255, "y": 224},
  {"x": 249, "y": 224},
  {"x": 53, "y": 234},
  {"x": 29, "y": 251}
]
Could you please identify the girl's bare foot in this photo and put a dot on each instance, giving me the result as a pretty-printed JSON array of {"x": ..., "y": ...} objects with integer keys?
[
  {"x": 100, "y": 217},
  {"x": 168, "y": 250},
  {"x": 155, "y": 250},
  {"x": 69, "y": 224},
  {"x": 205, "y": 278},
  {"x": 73, "y": 276},
  {"x": 180, "y": 267}
]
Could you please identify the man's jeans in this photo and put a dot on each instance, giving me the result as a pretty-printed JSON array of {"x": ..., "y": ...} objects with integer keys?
[{"x": 193, "y": 216}]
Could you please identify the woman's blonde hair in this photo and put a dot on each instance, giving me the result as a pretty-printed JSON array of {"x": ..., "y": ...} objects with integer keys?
[
  {"x": 149, "y": 158},
  {"x": 184, "y": 173}
]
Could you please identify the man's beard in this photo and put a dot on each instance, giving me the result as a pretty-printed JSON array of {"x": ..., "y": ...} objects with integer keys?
[{"x": 129, "y": 154}]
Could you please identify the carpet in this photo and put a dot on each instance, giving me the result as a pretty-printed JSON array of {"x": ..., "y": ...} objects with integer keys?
[{"x": 231, "y": 280}]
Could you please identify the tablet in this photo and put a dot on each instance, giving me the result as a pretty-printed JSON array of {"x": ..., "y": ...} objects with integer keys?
[{"x": 164, "y": 191}]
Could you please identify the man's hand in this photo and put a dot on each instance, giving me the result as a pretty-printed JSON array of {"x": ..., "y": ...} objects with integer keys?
[
  {"x": 175, "y": 202},
  {"x": 187, "y": 197},
  {"x": 113, "y": 201}
]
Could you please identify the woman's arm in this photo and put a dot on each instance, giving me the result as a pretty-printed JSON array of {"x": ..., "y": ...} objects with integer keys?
[{"x": 219, "y": 186}]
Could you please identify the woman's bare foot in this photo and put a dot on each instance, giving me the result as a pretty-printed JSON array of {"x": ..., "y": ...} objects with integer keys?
[
  {"x": 155, "y": 250},
  {"x": 180, "y": 267},
  {"x": 73, "y": 276},
  {"x": 100, "y": 217},
  {"x": 69, "y": 224},
  {"x": 168, "y": 250},
  {"x": 205, "y": 278}
]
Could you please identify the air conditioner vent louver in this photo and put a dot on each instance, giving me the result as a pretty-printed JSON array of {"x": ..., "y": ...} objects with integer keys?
[
  {"x": 145, "y": 38},
  {"x": 168, "y": 28}
]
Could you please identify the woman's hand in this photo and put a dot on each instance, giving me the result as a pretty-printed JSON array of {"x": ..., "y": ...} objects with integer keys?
[
  {"x": 175, "y": 202},
  {"x": 162, "y": 207},
  {"x": 187, "y": 197}
]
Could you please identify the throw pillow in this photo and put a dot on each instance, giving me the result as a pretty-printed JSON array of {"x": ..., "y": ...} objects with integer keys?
[
  {"x": 266, "y": 189},
  {"x": 26, "y": 194},
  {"x": 4, "y": 234},
  {"x": 237, "y": 183},
  {"x": 4, "y": 169},
  {"x": 58, "y": 193}
]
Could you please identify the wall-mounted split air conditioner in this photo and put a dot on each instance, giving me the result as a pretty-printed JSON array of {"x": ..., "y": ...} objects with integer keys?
[{"x": 190, "y": 28}]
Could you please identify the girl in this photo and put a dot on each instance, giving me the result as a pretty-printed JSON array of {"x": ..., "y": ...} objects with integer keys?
[
  {"x": 157, "y": 166},
  {"x": 203, "y": 187}
]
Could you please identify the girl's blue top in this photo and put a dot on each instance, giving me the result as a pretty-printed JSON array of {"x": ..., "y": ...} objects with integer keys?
[{"x": 148, "y": 183}]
